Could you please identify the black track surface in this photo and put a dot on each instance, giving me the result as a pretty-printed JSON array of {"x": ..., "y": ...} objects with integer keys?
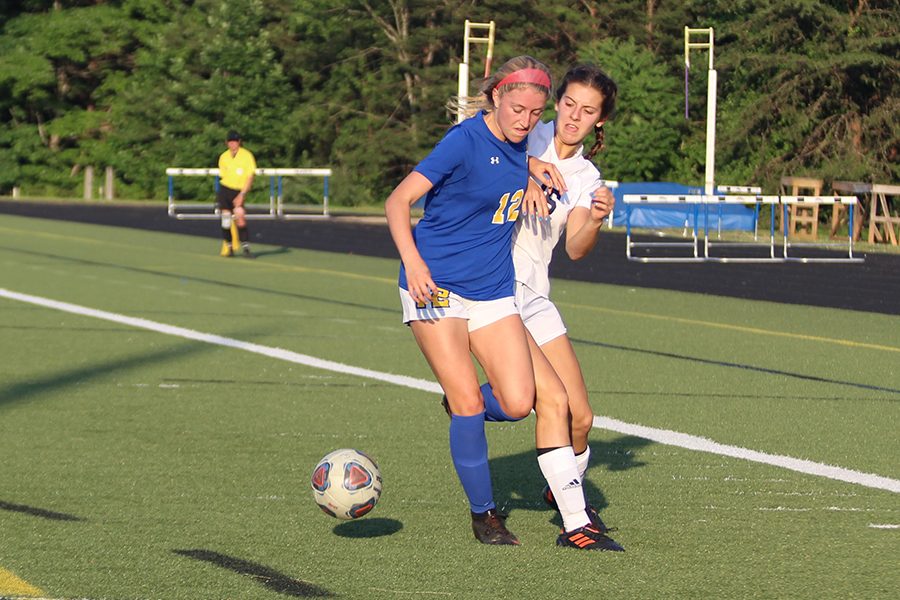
[{"x": 873, "y": 286}]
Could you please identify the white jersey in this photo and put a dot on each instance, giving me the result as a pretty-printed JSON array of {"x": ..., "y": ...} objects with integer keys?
[{"x": 534, "y": 240}]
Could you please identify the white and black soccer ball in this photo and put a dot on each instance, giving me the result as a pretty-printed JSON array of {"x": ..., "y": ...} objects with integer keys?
[{"x": 346, "y": 484}]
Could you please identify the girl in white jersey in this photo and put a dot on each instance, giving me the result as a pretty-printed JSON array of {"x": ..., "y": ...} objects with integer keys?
[{"x": 584, "y": 101}]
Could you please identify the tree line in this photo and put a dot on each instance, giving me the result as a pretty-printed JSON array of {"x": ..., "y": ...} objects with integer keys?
[{"x": 806, "y": 87}]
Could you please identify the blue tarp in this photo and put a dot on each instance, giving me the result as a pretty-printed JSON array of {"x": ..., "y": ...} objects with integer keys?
[{"x": 661, "y": 216}]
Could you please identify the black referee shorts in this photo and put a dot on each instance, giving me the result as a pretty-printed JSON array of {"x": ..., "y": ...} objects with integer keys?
[{"x": 225, "y": 198}]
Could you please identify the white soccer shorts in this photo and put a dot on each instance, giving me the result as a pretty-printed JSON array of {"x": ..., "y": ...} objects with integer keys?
[
  {"x": 478, "y": 313},
  {"x": 540, "y": 315}
]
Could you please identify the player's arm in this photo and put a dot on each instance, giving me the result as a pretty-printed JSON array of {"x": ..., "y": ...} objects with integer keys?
[
  {"x": 397, "y": 210},
  {"x": 584, "y": 224},
  {"x": 546, "y": 174},
  {"x": 248, "y": 183}
]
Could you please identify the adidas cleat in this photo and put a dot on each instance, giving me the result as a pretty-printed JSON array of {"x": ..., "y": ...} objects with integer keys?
[
  {"x": 588, "y": 538},
  {"x": 592, "y": 513},
  {"x": 247, "y": 253},
  {"x": 490, "y": 528}
]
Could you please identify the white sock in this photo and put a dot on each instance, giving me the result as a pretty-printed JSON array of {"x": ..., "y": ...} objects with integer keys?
[
  {"x": 561, "y": 472},
  {"x": 582, "y": 461}
]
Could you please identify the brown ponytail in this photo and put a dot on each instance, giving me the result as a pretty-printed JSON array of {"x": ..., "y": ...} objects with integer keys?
[{"x": 598, "y": 144}]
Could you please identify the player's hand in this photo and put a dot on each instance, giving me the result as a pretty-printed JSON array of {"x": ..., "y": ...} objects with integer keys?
[
  {"x": 535, "y": 201},
  {"x": 419, "y": 282},
  {"x": 602, "y": 203},
  {"x": 239, "y": 211},
  {"x": 546, "y": 173}
]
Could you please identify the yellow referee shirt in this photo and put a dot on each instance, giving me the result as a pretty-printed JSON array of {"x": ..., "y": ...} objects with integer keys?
[{"x": 234, "y": 170}]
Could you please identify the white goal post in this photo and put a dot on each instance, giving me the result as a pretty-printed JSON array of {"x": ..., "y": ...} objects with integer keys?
[{"x": 276, "y": 208}]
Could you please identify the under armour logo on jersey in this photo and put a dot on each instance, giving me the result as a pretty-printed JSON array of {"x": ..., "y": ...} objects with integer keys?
[{"x": 495, "y": 160}]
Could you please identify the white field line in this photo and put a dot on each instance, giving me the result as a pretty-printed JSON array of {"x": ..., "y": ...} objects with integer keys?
[
  {"x": 662, "y": 436},
  {"x": 700, "y": 444}
]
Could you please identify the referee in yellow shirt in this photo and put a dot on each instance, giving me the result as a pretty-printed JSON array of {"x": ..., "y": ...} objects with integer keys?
[{"x": 236, "y": 169}]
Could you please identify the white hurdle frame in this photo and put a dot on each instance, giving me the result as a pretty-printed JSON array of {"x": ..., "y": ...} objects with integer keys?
[
  {"x": 850, "y": 201},
  {"x": 688, "y": 200},
  {"x": 706, "y": 201},
  {"x": 756, "y": 200},
  {"x": 274, "y": 210}
]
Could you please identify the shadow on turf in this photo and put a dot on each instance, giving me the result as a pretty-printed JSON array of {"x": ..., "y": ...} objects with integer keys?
[
  {"x": 368, "y": 528},
  {"x": 518, "y": 482},
  {"x": 231, "y": 285},
  {"x": 19, "y": 392},
  {"x": 720, "y": 363},
  {"x": 38, "y": 512},
  {"x": 260, "y": 254},
  {"x": 267, "y": 576}
]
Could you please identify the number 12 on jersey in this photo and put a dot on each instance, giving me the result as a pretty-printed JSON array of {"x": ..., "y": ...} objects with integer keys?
[{"x": 508, "y": 211}]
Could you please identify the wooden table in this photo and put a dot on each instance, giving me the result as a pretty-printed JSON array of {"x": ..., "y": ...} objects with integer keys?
[{"x": 876, "y": 202}]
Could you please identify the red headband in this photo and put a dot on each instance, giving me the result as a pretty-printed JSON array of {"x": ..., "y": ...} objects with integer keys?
[{"x": 535, "y": 76}]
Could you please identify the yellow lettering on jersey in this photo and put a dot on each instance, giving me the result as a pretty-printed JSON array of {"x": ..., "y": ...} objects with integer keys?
[
  {"x": 502, "y": 216},
  {"x": 439, "y": 299},
  {"x": 498, "y": 216},
  {"x": 514, "y": 206}
]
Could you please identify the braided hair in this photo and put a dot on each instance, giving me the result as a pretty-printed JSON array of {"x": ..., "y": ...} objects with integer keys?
[{"x": 594, "y": 77}]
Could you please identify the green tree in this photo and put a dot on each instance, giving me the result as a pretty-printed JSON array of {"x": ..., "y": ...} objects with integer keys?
[
  {"x": 643, "y": 137},
  {"x": 211, "y": 68},
  {"x": 807, "y": 87},
  {"x": 51, "y": 65}
]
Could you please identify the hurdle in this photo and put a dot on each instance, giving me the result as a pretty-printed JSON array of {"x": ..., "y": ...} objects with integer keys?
[
  {"x": 692, "y": 209},
  {"x": 849, "y": 201},
  {"x": 705, "y": 202},
  {"x": 276, "y": 208},
  {"x": 281, "y": 208},
  {"x": 745, "y": 195}
]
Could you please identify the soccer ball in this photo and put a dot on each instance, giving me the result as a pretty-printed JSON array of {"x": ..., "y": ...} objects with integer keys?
[{"x": 346, "y": 484}]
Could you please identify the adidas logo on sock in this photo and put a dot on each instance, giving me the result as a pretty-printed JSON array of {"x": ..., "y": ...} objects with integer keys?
[{"x": 572, "y": 484}]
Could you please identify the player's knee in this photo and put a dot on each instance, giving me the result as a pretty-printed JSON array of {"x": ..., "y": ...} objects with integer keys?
[
  {"x": 465, "y": 405},
  {"x": 517, "y": 403},
  {"x": 521, "y": 409}
]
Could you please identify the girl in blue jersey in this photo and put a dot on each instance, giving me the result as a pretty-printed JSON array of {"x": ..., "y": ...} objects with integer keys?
[{"x": 457, "y": 280}]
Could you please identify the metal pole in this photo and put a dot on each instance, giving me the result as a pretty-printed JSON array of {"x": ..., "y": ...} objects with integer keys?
[{"x": 711, "y": 131}]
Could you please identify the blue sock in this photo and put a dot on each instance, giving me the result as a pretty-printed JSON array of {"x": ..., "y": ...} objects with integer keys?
[
  {"x": 469, "y": 450},
  {"x": 492, "y": 410}
]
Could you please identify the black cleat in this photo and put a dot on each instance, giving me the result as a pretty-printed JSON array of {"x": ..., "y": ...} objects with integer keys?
[
  {"x": 549, "y": 500},
  {"x": 446, "y": 405},
  {"x": 588, "y": 538},
  {"x": 592, "y": 513},
  {"x": 490, "y": 528},
  {"x": 247, "y": 253}
]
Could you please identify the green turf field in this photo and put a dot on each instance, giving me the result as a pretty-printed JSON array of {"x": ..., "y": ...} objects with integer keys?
[{"x": 138, "y": 464}]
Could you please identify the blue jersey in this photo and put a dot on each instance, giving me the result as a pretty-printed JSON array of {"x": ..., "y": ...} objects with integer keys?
[{"x": 465, "y": 236}]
